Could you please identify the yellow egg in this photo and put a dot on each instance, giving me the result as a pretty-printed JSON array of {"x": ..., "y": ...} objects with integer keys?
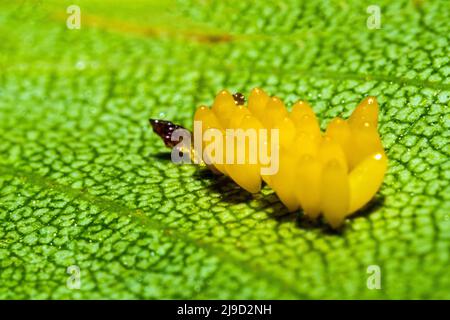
[
  {"x": 224, "y": 107},
  {"x": 284, "y": 182},
  {"x": 308, "y": 176},
  {"x": 257, "y": 102},
  {"x": 334, "y": 193},
  {"x": 366, "y": 179},
  {"x": 274, "y": 112}
]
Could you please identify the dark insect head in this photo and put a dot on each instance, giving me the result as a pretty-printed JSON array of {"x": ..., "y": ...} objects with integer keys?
[{"x": 164, "y": 129}]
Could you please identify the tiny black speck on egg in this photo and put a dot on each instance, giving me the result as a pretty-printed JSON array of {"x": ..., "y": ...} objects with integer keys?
[{"x": 239, "y": 98}]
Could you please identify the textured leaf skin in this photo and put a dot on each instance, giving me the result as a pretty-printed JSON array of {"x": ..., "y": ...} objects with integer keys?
[{"x": 83, "y": 181}]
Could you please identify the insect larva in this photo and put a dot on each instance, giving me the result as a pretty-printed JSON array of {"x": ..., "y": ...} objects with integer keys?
[
  {"x": 333, "y": 173},
  {"x": 164, "y": 129}
]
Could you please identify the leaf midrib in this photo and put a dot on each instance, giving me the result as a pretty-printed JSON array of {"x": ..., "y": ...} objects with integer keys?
[
  {"x": 199, "y": 35},
  {"x": 312, "y": 73}
]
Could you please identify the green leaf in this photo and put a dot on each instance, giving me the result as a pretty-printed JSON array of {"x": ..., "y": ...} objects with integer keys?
[{"x": 85, "y": 182}]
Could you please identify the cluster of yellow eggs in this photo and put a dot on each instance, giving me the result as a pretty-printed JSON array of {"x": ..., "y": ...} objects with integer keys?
[{"x": 334, "y": 173}]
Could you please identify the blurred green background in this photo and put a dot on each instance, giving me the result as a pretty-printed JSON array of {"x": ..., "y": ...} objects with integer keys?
[{"x": 84, "y": 182}]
